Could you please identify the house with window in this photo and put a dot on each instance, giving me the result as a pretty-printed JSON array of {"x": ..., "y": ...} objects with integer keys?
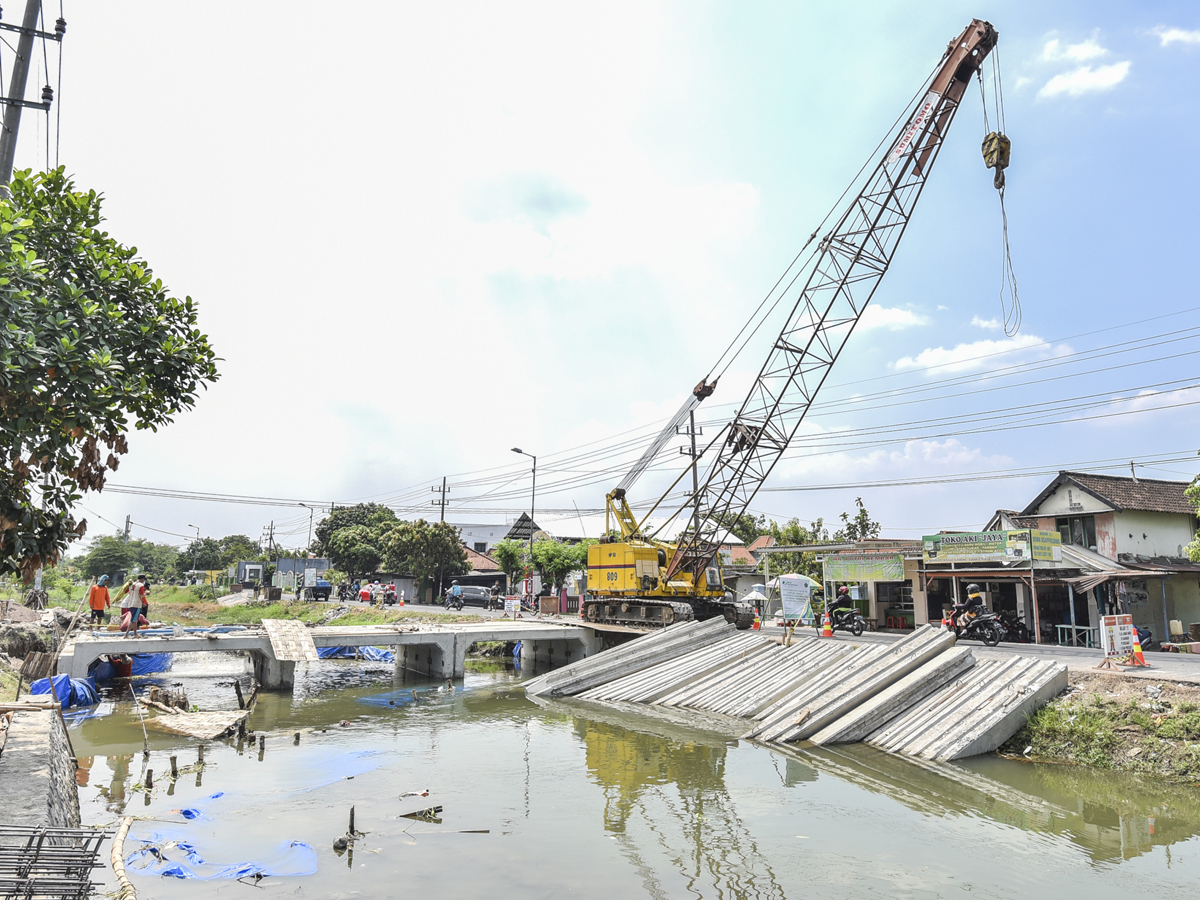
[
  {"x": 1123, "y": 550},
  {"x": 1122, "y": 519}
]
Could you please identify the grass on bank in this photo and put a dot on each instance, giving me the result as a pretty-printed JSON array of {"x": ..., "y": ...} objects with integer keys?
[
  {"x": 181, "y": 606},
  {"x": 1153, "y": 734}
]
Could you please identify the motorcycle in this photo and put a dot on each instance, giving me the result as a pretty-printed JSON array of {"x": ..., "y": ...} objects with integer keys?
[
  {"x": 982, "y": 627},
  {"x": 850, "y": 620},
  {"x": 1013, "y": 629},
  {"x": 346, "y": 593},
  {"x": 452, "y": 602}
]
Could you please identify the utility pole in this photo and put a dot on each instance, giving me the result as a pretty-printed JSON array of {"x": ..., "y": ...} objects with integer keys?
[
  {"x": 691, "y": 452},
  {"x": 128, "y": 523},
  {"x": 15, "y": 100},
  {"x": 443, "y": 490}
]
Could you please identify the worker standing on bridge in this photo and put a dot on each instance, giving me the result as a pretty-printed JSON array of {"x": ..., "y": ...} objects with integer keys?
[{"x": 98, "y": 600}]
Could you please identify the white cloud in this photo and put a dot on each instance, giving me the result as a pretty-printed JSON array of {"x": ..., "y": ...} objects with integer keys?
[
  {"x": 1170, "y": 36},
  {"x": 1086, "y": 80},
  {"x": 891, "y": 318},
  {"x": 1022, "y": 82},
  {"x": 989, "y": 324},
  {"x": 975, "y": 355},
  {"x": 1055, "y": 51},
  {"x": 1147, "y": 401}
]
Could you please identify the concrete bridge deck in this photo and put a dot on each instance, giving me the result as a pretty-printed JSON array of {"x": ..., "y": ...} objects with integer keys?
[{"x": 435, "y": 650}]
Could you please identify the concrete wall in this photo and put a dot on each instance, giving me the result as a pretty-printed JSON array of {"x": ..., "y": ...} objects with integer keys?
[
  {"x": 1068, "y": 500},
  {"x": 1152, "y": 534},
  {"x": 37, "y": 772}
]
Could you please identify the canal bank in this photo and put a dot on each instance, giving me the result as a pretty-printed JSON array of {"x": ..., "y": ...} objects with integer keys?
[{"x": 574, "y": 797}]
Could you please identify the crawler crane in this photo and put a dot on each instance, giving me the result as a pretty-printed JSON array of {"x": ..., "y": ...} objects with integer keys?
[{"x": 639, "y": 579}]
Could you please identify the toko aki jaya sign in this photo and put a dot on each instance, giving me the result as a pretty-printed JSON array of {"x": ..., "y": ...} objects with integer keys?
[{"x": 992, "y": 546}]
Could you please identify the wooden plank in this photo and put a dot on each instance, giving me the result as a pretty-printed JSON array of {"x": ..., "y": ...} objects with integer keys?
[
  {"x": 36, "y": 665},
  {"x": 205, "y": 726},
  {"x": 290, "y": 640}
]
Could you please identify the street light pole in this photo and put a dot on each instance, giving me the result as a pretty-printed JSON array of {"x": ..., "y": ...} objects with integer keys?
[{"x": 532, "y": 506}]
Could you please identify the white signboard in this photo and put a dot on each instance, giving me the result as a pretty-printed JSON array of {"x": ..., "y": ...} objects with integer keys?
[
  {"x": 1116, "y": 635},
  {"x": 916, "y": 125},
  {"x": 796, "y": 594},
  {"x": 310, "y": 577},
  {"x": 512, "y": 604}
]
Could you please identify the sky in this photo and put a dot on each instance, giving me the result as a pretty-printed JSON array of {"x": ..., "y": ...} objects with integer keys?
[{"x": 431, "y": 233}]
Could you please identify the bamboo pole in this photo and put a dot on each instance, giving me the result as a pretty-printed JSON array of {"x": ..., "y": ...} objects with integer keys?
[{"x": 117, "y": 858}]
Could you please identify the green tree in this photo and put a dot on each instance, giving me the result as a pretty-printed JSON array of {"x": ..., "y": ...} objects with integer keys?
[
  {"x": 554, "y": 561},
  {"x": 745, "y": 526},
  {"x": 425, "y": 550},
  {"x": 91, "y": 345},
  {"x": 375, "y": 516},
  {"x": 860, "y": 527},
  {"x": 156, "y": 560},
  {"x": 238, "y": 547},
  {"x": 205, "y": 554},
  {"x": 511, "y": 556},
  {"x": 355, "y": 548},
  {"x": 108, "y": 555},
  {"x": 794, "y": 534}
]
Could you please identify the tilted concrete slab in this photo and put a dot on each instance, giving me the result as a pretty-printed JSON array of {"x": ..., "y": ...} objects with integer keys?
[{"x": 880, "y": 709}]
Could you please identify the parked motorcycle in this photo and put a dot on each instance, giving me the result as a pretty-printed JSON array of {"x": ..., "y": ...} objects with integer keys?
[
  {"x": 1013, "y": 629},
  {"x": 850, "y": 620},
  {"x": 983, "y": 627}
]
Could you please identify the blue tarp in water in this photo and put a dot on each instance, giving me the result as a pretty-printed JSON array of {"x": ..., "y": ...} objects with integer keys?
[
  {"x": 370, "y": 654},
  {"x": 296, "y": 858},
  {"x": 70, "y": 691},
  {"x": 143, "y": 664}
]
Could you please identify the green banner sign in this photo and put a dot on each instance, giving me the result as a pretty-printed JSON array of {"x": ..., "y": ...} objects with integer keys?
[
  {"x": 864, "y": 567},
  {"x": 976, "y": 546}
]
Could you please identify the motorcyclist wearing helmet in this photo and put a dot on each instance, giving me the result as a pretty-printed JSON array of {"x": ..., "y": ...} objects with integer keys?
[
  {"x": 455, "y": 591},
  {"x": 842, "y": 604},
  {"x": 962, "y": 613}
]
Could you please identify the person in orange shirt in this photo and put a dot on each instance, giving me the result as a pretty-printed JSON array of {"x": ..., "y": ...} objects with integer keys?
[{"x": 98, "y": 600}]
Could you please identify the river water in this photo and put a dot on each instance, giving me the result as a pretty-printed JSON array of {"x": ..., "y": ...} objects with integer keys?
[{"x": 579, "y": 800}]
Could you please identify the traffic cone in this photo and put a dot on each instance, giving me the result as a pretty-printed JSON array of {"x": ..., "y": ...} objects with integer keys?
[
  {"x": 826, "y": 626},
  {"x": 1136, "y": 658},
  {"x": 400, "y": 601},
  {"x": 757, "y": 626}
]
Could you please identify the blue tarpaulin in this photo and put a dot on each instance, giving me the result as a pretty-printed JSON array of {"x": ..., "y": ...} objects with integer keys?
[
  {"x": 143, "y": 664},
  {"x": 70, "y": 691},
  {"x": 296, "y": 858},
  {"x": 370, "y": 654}
]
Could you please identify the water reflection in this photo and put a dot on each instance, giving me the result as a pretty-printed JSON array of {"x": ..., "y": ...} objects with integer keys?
[
  {"x": 664, "y": 790},
  {"x": 1111, "y": 816}
]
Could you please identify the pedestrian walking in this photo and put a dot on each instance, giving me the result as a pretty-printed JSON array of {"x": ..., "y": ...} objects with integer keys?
[
  {"x": 131, "y": 607},
  {"x": 144, "y": 588},
  {"x": 98, "y": 601}
]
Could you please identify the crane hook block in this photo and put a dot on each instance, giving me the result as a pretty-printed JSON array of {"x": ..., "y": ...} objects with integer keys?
[{"x": 997, "y": 150}]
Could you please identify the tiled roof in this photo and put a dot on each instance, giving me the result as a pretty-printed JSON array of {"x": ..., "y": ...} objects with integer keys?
[
  {"x": 481, "y": 562},
  {"x": 741, "y": 556},
  {"x": 761, "y": 542},
  {"x": 1144, "y": 494}
]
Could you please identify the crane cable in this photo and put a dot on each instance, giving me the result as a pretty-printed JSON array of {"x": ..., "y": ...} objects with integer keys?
[{"x": 997, "y": 150}]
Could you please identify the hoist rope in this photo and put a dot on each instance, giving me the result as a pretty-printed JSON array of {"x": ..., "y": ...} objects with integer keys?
[{"x": 1010, "y": 301}]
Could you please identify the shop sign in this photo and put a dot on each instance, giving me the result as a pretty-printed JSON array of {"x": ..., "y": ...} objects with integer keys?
[
  {"x": 1046, "y": 545},
  {"x": 853, "y": 567},
  {"x": 976, "y": 546},
  {"x": 1116, "y": 635}
]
